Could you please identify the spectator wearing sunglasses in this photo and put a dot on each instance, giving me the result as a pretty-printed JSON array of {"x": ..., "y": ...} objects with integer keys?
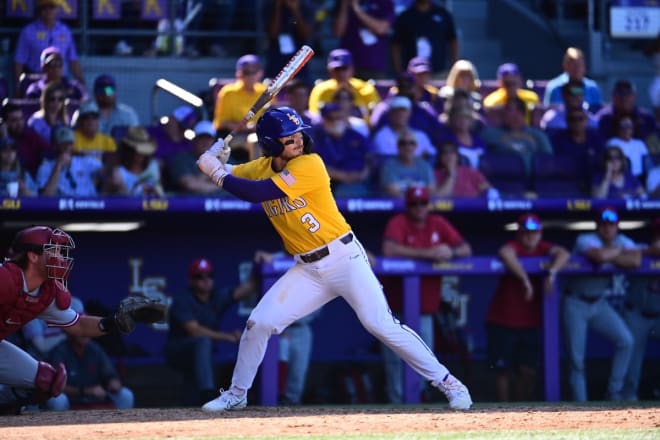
[
  {"x": 195, "y": 317},
  {"x": 586, "y": 305},
  {"x": 513, "y": 320},
  {"x": 419, "y": 234},
  {"x": 406, "y": 169},
  {"x": 614, "y": 179},
  {"x": 52, "y": 111},
  {"x": 52, "y": 67}
]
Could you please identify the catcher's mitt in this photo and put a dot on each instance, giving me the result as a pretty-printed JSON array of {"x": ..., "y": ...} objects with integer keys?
[{"x": 135, "y": 309}]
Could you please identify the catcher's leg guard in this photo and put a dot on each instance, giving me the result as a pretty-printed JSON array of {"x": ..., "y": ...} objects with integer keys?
[{"x": 49, "y": 381}]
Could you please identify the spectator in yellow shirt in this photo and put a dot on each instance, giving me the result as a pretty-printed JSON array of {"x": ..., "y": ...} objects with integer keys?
[
  {"x": 341, "y": 70},
  {"x": 87, "y": 137},
  {"x": 235, "y": 99},
  {"x": 510, "y": 84}
]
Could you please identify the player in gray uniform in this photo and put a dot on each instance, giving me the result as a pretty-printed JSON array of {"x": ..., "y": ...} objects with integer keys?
[{"x": 33, "y": 285}]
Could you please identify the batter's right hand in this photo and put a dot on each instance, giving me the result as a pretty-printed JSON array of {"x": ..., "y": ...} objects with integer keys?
[{"x": 220, "y": 150}]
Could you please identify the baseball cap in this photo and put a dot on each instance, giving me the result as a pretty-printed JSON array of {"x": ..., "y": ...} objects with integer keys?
[
  {"x": 328, "y": 108},
  {"x": 138, "y": 139},
  {"x": 529, "y": 222},
  {"x": 49, "y": 54},
  {"x": 623, "y": 87},
  {"x": 62, "y": 134},
  {"x": 417, "y": 193},
  {"x": 104, "y": 85},
  {"x": 200, "y": 266},
  {"x": 400, "y": 102},
  {"x": 339, "y": 58},
  {"x": 419, "y": 65},
  {"x": 88, "y": 107},
  {"x": 507, "y": 69},
  {"x": 607, "y": 215},
  {"x": 205, "y": 128},
  {"x": 247, "y": 60}
]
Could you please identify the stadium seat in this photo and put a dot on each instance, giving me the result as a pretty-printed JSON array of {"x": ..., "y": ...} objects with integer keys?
[
  {"x": 506, "y": 172},
  {"x": 559, "y": 176}
]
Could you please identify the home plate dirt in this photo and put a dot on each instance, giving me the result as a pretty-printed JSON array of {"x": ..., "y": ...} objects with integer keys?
[{"x": 153, "y": 423}]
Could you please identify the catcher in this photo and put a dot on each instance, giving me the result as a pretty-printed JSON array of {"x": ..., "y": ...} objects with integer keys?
[{"x": 33, "y": 285}]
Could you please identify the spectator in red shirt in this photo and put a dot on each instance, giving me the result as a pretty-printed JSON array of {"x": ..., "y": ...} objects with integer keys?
[
  {"x": 416, "y": 233},
  {"x": 456, "y": 179},
  {"x": 513, "y": 320},
  {"x": 31, "y": 148}
]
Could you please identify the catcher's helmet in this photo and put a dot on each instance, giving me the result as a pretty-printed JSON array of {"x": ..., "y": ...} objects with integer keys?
[
  {"x": 277, "y": 123},
  {"x": 55, "y": 243}
]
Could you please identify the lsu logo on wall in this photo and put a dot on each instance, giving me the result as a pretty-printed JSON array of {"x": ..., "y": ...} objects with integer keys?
[{"x": 150, "y": 287}]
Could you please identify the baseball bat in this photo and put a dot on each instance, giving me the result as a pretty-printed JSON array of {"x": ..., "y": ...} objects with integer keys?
[{"x": 297, "y": 61}]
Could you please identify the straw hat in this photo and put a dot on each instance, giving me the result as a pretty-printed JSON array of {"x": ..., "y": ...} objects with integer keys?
[{"x": 138, "y": 139}]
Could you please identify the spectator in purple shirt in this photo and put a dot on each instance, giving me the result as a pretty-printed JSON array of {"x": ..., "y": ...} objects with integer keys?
[
  {"x": 577, "y": 140},
  {"x": 52, "y": 111},
  {"x": 41, "y": 33},
  {"x": 31, "y": 148},
  {"x": 345, "y": 153},
  {"x": 363, "y": 27},
  {"x": 52, "y": 66},
  {"x": 624, "y": 103},
  {"x": 170, "y": 135},
  {"x": 614, "y": 179}
]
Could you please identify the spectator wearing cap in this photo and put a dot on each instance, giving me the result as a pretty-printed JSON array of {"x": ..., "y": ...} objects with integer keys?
[
  {"x": 195, "y": 318},
  {"x": 425, "y": 29},
  {"x": 514, "y": 316},
  {"x": 14, "y": 181},
  {"x": 138, "y": 172},
  {"x": 624, "y": 103},
  {"x": 182, "y": 168},
  {"x": 575, "y": 70},
  {"x": 345, "y": 152},
  {"x": 235, "y": 99},
  {"x": 88, "y": 138},
  {"x": 586, "y": 305},
  {"x": 642, "y": 314},
  {"x": 462, "y": 75},
  {"x": 45, "y": 31},
  {"x": 52, "y": 111},
  {"x": 455, "y": 179},
  {"x": 510, "y": 85},
  {"x": 111, "y": 112},
  {"x": 341, "y": 75},
  {"x": 613, "y": 179},
  {"x": 572, "y": 98},
  {"x": 288, "y": 26},
  {"x": 398, "y": 120},
  {"x": 69, "y": 174},
  {"x": 30, "y": 147},
  {"x": 173, "y": 133},
  {"x": 406, "y": 169},
  {"x": 364, "y": 27},
  {"x": 418, "y": 234},
  {"x": 52, "y": 68}
]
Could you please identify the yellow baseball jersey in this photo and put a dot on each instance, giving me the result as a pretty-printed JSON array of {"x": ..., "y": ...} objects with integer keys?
[
  {"x": 100, "y": 143},
  {"x": 308, "y": 217},
  {"x": 234, "y": 101},
  {"x": 498, "y": 98}
]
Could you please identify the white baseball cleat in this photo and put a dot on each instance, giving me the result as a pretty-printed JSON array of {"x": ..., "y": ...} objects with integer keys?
[
  {"x": 457, "y": 393},
  {"x": 226, "y": 401}
]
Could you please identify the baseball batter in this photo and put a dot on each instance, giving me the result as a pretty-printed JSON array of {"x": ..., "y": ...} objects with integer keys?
[
  {"x": 33, "y": 285},
  {"x": 293, "y": 186}
]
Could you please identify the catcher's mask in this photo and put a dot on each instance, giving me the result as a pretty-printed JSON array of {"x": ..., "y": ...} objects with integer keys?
[
  {"x": 278, "y": 123},
  {"x": 54, "y": 243}
]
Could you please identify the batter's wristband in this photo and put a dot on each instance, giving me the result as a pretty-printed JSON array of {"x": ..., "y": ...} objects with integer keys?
[{"x": 108, "y": 325}]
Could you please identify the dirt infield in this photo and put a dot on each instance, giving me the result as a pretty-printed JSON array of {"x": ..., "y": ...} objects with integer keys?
[{"x": 256, "y": 421}]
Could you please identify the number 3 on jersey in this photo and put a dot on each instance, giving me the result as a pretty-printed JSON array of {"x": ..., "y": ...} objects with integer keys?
[{"x": 314, "y": 224}]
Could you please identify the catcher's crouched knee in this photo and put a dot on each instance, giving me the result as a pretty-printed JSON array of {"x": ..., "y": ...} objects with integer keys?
[{"x": 50, "y": 381}]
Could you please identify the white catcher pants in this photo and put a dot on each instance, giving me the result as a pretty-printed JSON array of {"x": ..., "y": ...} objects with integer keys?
[{"x": 306, "y": 287}]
